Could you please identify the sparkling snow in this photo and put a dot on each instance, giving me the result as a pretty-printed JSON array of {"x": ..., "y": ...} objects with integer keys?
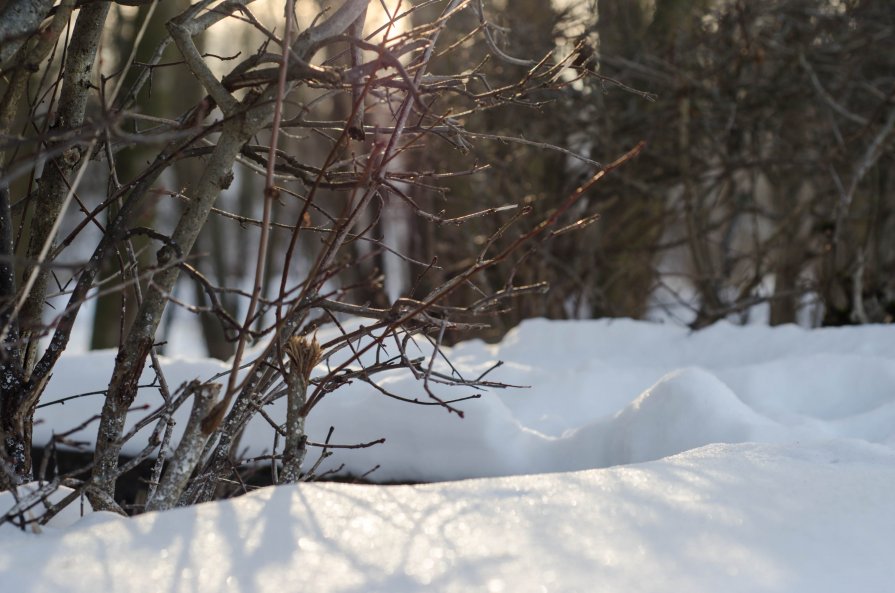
[{"x": 733, "y": 459}]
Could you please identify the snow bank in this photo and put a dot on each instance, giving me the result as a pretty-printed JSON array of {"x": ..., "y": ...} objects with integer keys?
[
  {"x": 600, "y": 393},
  {"x": 733, "y": 518},
  {"x": 757, "y": 459}
]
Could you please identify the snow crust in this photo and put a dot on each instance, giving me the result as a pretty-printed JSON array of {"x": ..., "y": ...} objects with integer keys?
[
  {"x": 735, "y": 518},
  {"x": 731, "y": 459}
]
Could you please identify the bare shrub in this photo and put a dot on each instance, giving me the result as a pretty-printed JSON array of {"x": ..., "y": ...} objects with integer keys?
[{"x": 318, "y": 125}]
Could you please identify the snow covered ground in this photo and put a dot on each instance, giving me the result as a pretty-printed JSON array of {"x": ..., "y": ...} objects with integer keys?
[{"x": 733, "y": 459}]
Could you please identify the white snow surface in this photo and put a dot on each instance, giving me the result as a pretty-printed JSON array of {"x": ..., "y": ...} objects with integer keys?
[
  {"x": 597, "y": 394},
  {"x": 735, "y": 518},
  {"x": 729, "y": 459}
]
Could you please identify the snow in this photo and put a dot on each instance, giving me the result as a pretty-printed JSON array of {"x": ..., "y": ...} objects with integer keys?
[
  {"x": 729, "y": 459},
  {"x": 721, "y": 518}
]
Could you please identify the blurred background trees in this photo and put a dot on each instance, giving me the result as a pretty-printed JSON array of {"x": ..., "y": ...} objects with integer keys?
[
  {"x": 766, "y": 190},
  {"x": 764, "y": 194}
]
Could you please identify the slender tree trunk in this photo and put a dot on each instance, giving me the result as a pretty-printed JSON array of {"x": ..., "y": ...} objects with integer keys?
[
  {"x": 132, "y": 356},
  {"x": 55, "y": 181},
  {"x": 12, "y": 432},
  {"x": 18, "y": 395}
]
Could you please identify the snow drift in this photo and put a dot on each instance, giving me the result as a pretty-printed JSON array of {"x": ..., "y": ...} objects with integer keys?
[{"x": 599, "y": 393}]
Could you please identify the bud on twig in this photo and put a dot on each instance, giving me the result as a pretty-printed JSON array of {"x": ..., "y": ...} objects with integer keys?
[{"x": 303, "y": 355}]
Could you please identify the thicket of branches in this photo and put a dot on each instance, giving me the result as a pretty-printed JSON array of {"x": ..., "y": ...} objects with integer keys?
[
  {"x": 119, "y": 147},
  {"x": 423, "y": 170}
]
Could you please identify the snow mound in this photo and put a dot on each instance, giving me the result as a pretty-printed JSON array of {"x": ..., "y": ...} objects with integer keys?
[
  {"x": 599, "y": 393},
  {"x": 733, "y": 518},
  {"x": 685, "y": 409},
  {"x": 736, "y": 459}
]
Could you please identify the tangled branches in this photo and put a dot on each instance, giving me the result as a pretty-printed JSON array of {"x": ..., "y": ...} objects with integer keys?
[{"x": 317, "y": 130}]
